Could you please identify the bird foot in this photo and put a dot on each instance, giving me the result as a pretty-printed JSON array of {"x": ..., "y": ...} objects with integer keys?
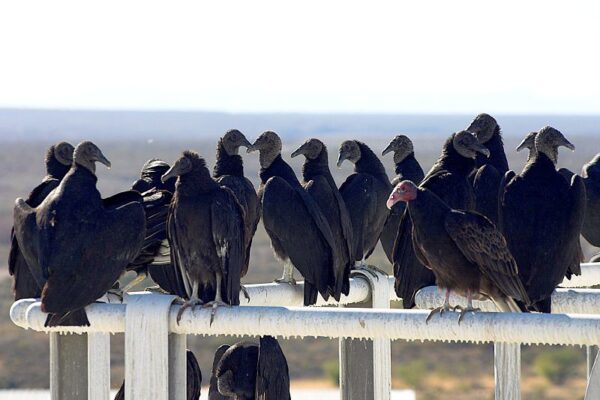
[
  {"x": 186, "y": 305},
  {"x": 245, "y": 292},
  {"x": 438, "y": 310},
  {"x": 156, "y": 289},
  {"x": 464, "y": 311},
  {"x": 116, "y": 292},
  {"x": 214, "y": 304},
  {"x": 289, "y": 281}
]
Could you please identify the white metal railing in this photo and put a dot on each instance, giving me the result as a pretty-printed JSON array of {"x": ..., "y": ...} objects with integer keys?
[{"x": 155, "y": 343}]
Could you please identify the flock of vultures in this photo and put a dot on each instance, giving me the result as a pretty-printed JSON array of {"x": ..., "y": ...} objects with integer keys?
[{"x": 470, "y": 225}]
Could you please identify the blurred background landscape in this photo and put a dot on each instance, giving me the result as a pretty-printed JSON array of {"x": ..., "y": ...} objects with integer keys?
[{"x": 128, "y": 139}]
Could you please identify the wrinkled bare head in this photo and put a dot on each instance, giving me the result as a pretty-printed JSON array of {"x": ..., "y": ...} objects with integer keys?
[
  {"x": 349, "y": 150},
  {"x": 528, "y": 142},
  {"x": 483, "y": 127},
  {"x": 548, "y": 140},
  {"x": 268, "y": 145},
  {"x": 233, "y": 140},
  {"x": 188, "y": 162},
  {"x": 310, "y": 149},
  {"x": 404, "y": 191},
  {"x": 402, "y": 147},
  {"x": 63, "y": 152},
  {"x": 468, "y": 146},
  {"x": 87, "y": 154}
]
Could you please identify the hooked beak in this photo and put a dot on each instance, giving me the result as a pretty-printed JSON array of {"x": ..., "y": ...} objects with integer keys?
[
  {"x": 393, "y": 199},
  {"x": 478, "y": 147},
  {"x": 389, "y": 148},
  {"x": 102, "y": 159},
  {"x": 568, "y": 144},
  {"x": 253, "y": 147},
  {"x": 171, "y": 173},
  {"x": 246, "y": 143},
  {"x": 340, "y": 159},
  {"x": 298, "y": 151},
  {"x": 523, "y": 145}
]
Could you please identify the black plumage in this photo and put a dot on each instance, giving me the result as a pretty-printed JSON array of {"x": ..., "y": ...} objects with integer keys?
[
  {"x": 365, "y": 193},
  {"x": 246, "y": 371},
  {"x": 464, "y": 249},
  {"x": 319, "y": 183},
  {"x": 213, "y": 390},
  {"x": 193, "y": 379},
  {"x": 541, "y": 215},
  {"x": 591, "y": 224},
  {"x": 81, "y": 242},
  {"x": 28, "y": 281},
  {"x": 300, "y": 234},
  {"x": 406, "y": 167},
  {"x": 229, "y": 172},
  {"x": 488, "y": 170},
  {"x": 449, "y": 180},
  {"x": 206, "y": 234}
]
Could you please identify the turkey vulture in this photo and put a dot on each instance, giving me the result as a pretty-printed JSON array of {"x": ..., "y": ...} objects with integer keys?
[
  {"x": 300, "y": 234},
  {"x": 448, "y": 179},
  {"x": 407, "y": 168},
  {"x": 464, "y": 249},
  {"x": 80, "y": 242},
  {"x": 229, "y": 172},
  {"x": 541, "y": 215},
  {"x": 488, "y": 170},
  {"x": 194, "y": 379},
  {"x": 365, "y": 193},
  {"x": 27, "y": 281},
  {"x": 319, "y": 183},
  {"x": 250, "y": 372},
  {"x": 206, "y": 233}
]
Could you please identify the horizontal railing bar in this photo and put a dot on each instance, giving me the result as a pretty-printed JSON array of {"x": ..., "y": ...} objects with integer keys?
[
  {"x": 564, "y": 301},
  {"x": 480, "y": 327}
]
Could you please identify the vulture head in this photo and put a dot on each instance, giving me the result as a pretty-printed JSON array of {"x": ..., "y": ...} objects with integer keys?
[
  {"x": 62, "y": 152},
  {"x": 548, "y": 140},
  {"x": 349, "y": 150},
  {"x": 310, "y": 149},
  {"x": 268, "y": 145},
  {"x": 87, "y": 154},
  {"x": 483, "y": 127},
  {"x": 468, "y": 146},
  {"x": 188, "y": 162},
  {"x": 233, "y": 140},
  {"x": 404, "y": 191},
  {"x": 402, "y": 147},
  {"x": 528, "y": 142},
  {"x": 236, "y": 371}
]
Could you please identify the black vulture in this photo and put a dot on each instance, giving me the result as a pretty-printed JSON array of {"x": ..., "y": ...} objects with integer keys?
[
  {"x": 247, "y": 371},
  {"x": 488, "y": 170},
  {"x": 319, "y": 183},
  {"x": 27, "y": 280},
  {"x": 464, "y": 249},
  {"x": 194, "y": 379},
  {"x": 449, "y": 179},
  {"x": 365, "y": 193},
  {"x": 229, "y": 172},
  {"x": 81, "y": 242},
  {"x": 541, "y": 215},
  {"x": 206, "y": 234},
  {"x": 407, "y": 168},
  {"x": 591, "y": 223},
  {"x": 300, "y": 234}
]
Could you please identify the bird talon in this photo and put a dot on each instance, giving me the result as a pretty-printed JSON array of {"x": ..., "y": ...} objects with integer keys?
[
  {"x": 291, "y": 281},
  {"x": 186, "y": 305},
  {"x": 439, "y": 310},
  {"x": 464, "y": 311},
  {"x": 245, "y": 292}
]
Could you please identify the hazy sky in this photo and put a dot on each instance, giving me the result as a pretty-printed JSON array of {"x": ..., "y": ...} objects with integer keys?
[{"x": 343, "y": 56}]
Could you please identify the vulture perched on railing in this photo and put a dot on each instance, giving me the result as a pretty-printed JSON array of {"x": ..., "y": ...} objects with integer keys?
[
  {"x": 247, "y": 371},
  {"x": 80, "y": 242},
  {"x": 449, "y": 180},
  {"x": 229, "y": 172},
  {"x": 489, "y": 171},
  {"x": 319, "y": 183},
  {"x": 300, "y": 234},
  {"x": 407, "y": 168},
  {"x": 591, "y": 224},
  {"x": 464, "y": 249},
  {"x": 206, "y": 234},
  {"x": 541, "y": 215},
  {"x": 28, "y": 280},
  {"x": 365, "y": 193}
]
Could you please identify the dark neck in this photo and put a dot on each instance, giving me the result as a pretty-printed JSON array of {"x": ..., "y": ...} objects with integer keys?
[
  {"x": 227, "y": 164},
  {"x": 410, "y": 169},
  {"x": 195, "y": 182},
  {"x": 451, "y": 161},
  {"x": 316, "y": 167},
  {"x": 497, "y": 157},
  {"x": 540, "y": 162},
  {"x": 56, "y": 169},
  {"x": 369, "y": 163},
  {"x": 281, "y": 169}
]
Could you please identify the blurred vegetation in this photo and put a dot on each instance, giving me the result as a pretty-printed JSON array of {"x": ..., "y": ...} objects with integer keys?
[
  {"x": 435, "y": 370},
  {"x": 558, "y": 364}
]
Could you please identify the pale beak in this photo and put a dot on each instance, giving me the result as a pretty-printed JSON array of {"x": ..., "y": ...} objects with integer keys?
[
  {"x": 171, "y": 173},
  {"x": 298, "y": 151},
  {"x": 481, "y": 149},
  {"x": 102, "y": 159},
  {"x": 340, "y": 159},
  {"x": 393, "y": 199},
  {"x": 389, "y": 148}
]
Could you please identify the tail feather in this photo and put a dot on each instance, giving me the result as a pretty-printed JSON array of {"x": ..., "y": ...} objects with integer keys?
[{"x": 508, "y": 304}]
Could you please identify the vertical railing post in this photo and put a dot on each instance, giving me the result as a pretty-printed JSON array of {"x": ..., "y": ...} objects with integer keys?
[
  {"x": 98, "y": 366},
  {"x": 592, "y": 391},
  {"x": 591, "y": 352},
  {"x": 68, "y": 366},
  {"x": 147, "y": 346},
  {"x": 507, "y": 371},
  {"x": 177, "y": 367},
  {"x": 365, "y": 365}
]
